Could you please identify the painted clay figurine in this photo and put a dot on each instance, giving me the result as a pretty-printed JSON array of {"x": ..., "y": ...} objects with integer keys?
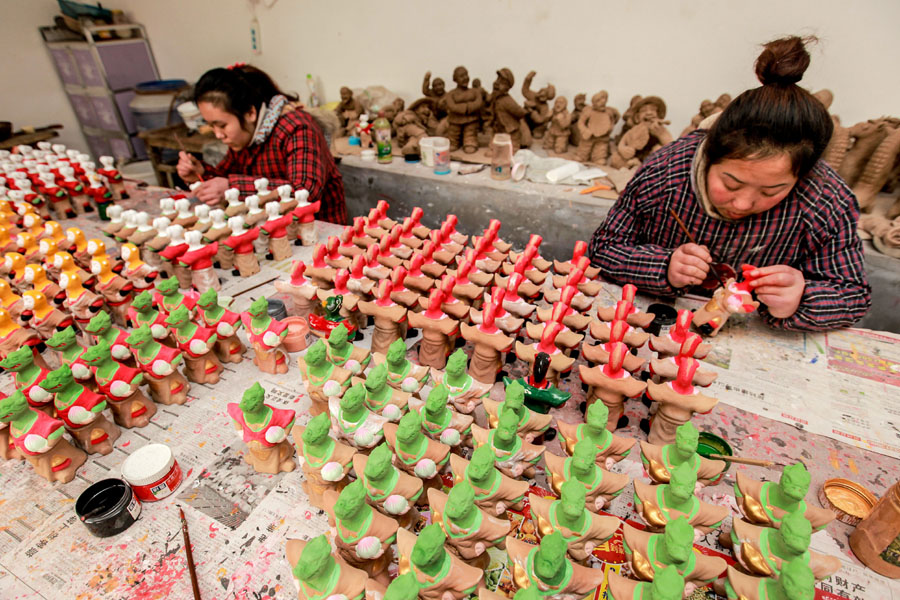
[
  {"x": 667, "y": 368},
  {"x": 381, "y": 398},
  {"x": 600, "y": 485},
  {"x": 196, "y": 344},
  {"x": 40, "y": 316},
  {"x": 198, "y": 257},
  {"x": 160, "y": 364},
  {"x": 13, "y": 337},
  {"x": 795, "y": 583},
  {"x": 490, "y": 343},
  {"x": 767, "y": 503},
  {"x": 733, "y": 298},
  {"x": 464, "y": 391},
  {"x": 550, "y": 338},
  {"x": 515, "y": 457},
  {"x": 275, "y": 227},
  {"x": 177, "y": 246},
  {"x": 344, "y": 354},
  {"x": 28, "y": 378},
  {"x": 102, "y": 329},
  {"x": 325, "y": 462},
  {"x": 670, "y": 343},
  {"x": 228, "y": 347},
  {"x": 70, "y": 351},
  {"x": 388, "y": 315},
  {"x": 391, "y": 491},
  {"x": 116, "y": 290},
  {"x": 81, "y": 411},
  {"x": 266, "y": 335},
  {"x": 416, "y": 453},
  {"x": 677, "y": 400},
  {"x": 402, "y": 374},
  {"x": 600, "y": 353},
  {"x": 470, "y": 530},
  {"x": 440, "y": 422},
  {"x": 322, "y": 378},
  {"x": 582, "y": 530},
  {"x": 319, "y": 574},
  {"x": 140, "y": 274},
  {"x": 168, "y": 297},
  {"x": 264, "y": 429},
  {"x": 540, "y": 394},
  {"x": 531, "y": 425},
  {"x": 441, "y": 575},
  {"x": 241, "y": 244},
  {"x": 612, "y": 448},
  {"x": 660, "y": 460},
  {"x": 632, "y": 315},
  {"x": 121, "y": 385},
  {"x": 82, "y": 304},
  {"x": 300, "y": 290},
  {"x": 612, "y": 385},
  {"x": 547, "y": 568},
  {"x": 353, "y": 422},
  {"x": 659, "y": 504},
  {"x": 437, "y": 327},
  {"x": 667, "y": 585},
  {"x": 143, "y": 311}
]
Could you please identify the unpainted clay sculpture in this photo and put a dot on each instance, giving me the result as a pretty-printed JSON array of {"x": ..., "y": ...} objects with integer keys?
[
  {"x": 767, "y": 503},
  {"x": 595, "y": 125},
  {"x": 440, "y": 422},
  {"x": 677, "y": 400},
  {"x": 464, "y": 391},
  {"x": 581, "y": 529},
  {"x": 506, "y": 112},
  {"x": 266, "y": 335},
  {"x": 81, "y": 411},
  {"x": 196, "y": 343},
  {"x": 600, "y": 485},
  {"x": 660, "y": 460},
  {"x": 264, "y": 429},
  {"x": 121, "y": 385},
  {"x": 659, "y": 504},
  {"x": 300, "y": 290},
  {"x": 878, "y": 169},
  {"x": 436, "y": 90},
  {"x": 320, "y": 574},
  {"x": 322, "y": 378},
  {"x": 414, "y": 124},
  {"x": 795, "y": 583},
  {"x": 866, "y": 136},
  {"x": 463, "y": 105},
  {"x": 160, "y": 364},
  {"x": 547, "y": 568},
  {"x": 514, "y": 456},
  {"x": 648, "y": 134},
  {"x": 612, "y": 384},
  {"x": 325, "y": 462},
  {"x": 667, "y": 585},
  {"x": 537, "y": 106},
  {"x": 388, "y": 317},
  {"x": 391, "y": 491},
  {"x": 347, "y": 110},
  {"x": 416, "y": 453},
  {"x": 470, "y": 530},
  {"x": 612, "y": 448},
  {"x": 441, "y": 575}
]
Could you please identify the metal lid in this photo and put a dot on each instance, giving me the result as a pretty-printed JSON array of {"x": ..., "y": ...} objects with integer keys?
[
  {"x": 148, "y": 464},
  {"x": 849, "y": 501}
]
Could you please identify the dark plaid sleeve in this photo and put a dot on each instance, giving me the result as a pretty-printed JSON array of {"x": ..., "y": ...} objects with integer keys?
[{"x": 615, "y": 246}]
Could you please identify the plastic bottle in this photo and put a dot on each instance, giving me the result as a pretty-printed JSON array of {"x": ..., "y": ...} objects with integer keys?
[
  {"x": 314, "y": 99},
  {"x": 381, "y": 132}
]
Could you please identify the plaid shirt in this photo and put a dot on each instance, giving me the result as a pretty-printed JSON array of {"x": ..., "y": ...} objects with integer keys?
[
  {"x": 296, "y": 154},
  {"x": 813, "y": 230}
]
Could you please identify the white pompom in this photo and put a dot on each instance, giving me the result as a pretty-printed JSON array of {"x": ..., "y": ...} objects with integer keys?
[
  {"x": 224, "y": 329},
  {"x": 396, "y": 504},
  {"x": 80, "y": 415},
  {"x": 409, "y": 385},
  {"x": 426, "y": 468},
  {"x": 331, "y": 388},
  {"x": 364, "y": 438},
  {"x": 35, "y": 443},
  {"x": 271, "y": 340},
  {"x": 450, "y": 437},
  {"x": 198, "y": 347},
  {"x": 39, "y": 394},
  {"x": 275, "y": 434},
  {"x": 161, "y": 368},
  {"x": 353, "y": 366},
  {"x": 332, "y": 471},
  {"x": 120, "y": 352},
  {"x": 120, "y": 389},
  {"x": 368, "y": 548},
  {"x": 392, "y": 412}
]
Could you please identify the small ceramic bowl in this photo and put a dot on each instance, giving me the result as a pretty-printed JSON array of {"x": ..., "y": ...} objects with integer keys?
[
  {"x": 296, "y": 339},
  {"x": 709, "y": 443}
]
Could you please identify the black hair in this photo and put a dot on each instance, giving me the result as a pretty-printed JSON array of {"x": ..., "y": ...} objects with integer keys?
[
  {"x": 237, "y": 89},
  {"x": 777, "y": 117}
]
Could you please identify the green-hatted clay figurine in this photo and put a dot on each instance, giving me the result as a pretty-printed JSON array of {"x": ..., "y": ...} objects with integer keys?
[
  {"x": 403, "y": 374},
  {"x": 121, "y": 385},
  {"x": 353, "y": 422},
  {"x": 766, "y": 503},
  {"x": 381, "y": 398},
  {"x": 81, "y": 411},
  {"x": 612, "y": 448},
  {"x": 795, "y": 583},
  {"x": 404, "y": 587},
  {"x": 763, "y": 551},
  {"x": 196, "y": 344},
  {"x": 600, "y": 485},
  {"x": 470, "y": 530},
  {"x": 168, "y": 297},
  {"x": 363, "y": 535},
  {"x": 66, "y": 343},
  {"x": 441, "y": 575},
  {"x": 465, "y": 392},
  {"x": 143, "y": 311},
  {"x": 264, "y": 429},
  {"x": 324, "y": 461},
  {"x": 323, "y": 380},
  {"x": 494, "y": 491},
  {"x": 228, "y": 348},
  {"x": 390, "y": 490},
  {"x": 515, "y": 457},
  {"x": 659, "y": 460},
  {"x": 321, "y": 575},
  {"x": 659, "y": 504},
  {"x": 650, "y": 553},
  {"x": 667, "y": 585},
  {"x": 39, "y": 438},
  {"x": 442, "y": 423},
  {"x": 160, "y": 364},
  {"x": 531, "y": 424},
  {"x": 344, "y": 354},
  {"x": 547, "y": 568},
  {"x": 265, "y": 335},
  {"x": 102, "y": 328},
  {"x": 582, "y": 529},
  {"x": 416, "y": 453},
  {"x": 28, "y": 377}
]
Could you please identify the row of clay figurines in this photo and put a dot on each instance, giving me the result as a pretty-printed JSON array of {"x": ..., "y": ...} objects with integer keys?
[{"x": 170, "y": 330}]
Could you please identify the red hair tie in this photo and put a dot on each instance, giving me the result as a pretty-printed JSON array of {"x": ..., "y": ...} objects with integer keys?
[{"x": 236, "y": 65}]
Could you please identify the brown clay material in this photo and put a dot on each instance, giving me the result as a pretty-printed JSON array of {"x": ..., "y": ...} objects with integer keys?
[
  {"x": 435, "y": 345},
  {"x": 881, "y": 529},
  {"x": 579, "y": 544},
  {"x": 595, "y": 125},
  {"x": 460, "y": 577},
  {"x": 584, "y": 580},
  {"x": 674, "y": 410},
  {"x": 487, "y": 353},
  {"x": 612, "y": 391},
  {"x": 703, "y": 519},
  {"x": 878, "y": 169},
  {"x": 822, "y": 565},
  {"x": 512, "y": 464},
  {"x": 749, "y": 504},
  {"x": 596, "y": 497},
  {"x": 469, "y": 545}
]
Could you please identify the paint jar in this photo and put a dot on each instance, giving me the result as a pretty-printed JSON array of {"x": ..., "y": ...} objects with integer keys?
[
  {"x": 441, "y": 156},
  {"x": 297, "y": 337},
  {"x": 152, "y": 472},
  {"x": 277, "y": 309},
  {"x": 426, "y": 149},
  {"x": 501, "y": 156},
  {"x": 664, "y": 316},
  {"x": 108, "y": 507}
]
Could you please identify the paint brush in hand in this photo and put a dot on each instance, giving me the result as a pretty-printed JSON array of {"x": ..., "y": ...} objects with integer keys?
[
  {"x": 190, "y": 555},
  {"x": 712, "y": 267},
  {"x": 181, "y": 145}
]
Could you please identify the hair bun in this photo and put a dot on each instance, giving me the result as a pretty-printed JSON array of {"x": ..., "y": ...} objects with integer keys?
[{"x": 783, "y": 61}]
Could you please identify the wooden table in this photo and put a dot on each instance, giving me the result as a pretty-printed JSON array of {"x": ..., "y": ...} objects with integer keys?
[
  {"x": 164, "y": 138},
  {"x": 28, "y": 139}
]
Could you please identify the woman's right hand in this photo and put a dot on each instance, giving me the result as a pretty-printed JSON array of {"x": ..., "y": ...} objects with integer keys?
[
  {"x": 189, "y": 168},
  {"x": 689, "y": 265}
]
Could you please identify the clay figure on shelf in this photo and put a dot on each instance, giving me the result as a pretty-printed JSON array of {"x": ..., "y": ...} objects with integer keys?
[
  {"x": 612, "y": 448},
  {"x": 437, "y": 327},
  {"x": 300, "y": 290},
  {"x": 347, "y": 110},
  {"x": 670, "y": 343},
  {"x": 795, "y": 583},
  {"x": 767, "y": 503},
  {"x": 324, "y": 461},
  {"x": 28, "y": 376},
  {"x": 436, "y": 90},
  {"x": 322, "y": 378},
  {"x": 264, "y": 429},
  {"x": 464, "y": 391},
  {"x": 160, "y": 364},
  {"x": 463, "y": 105},
  {"x": 667, "y": 585},
  {"x": 391, "y": 491},
  {"x": 121, "y": 385},
  {"x": 416, "y": 453},
  {"x": 547, "y": 568},
  {"x": 198, "y": 257},
  {"x": 414, "y": 124},
  {"x": 265, "y": 335},
  {"x": 228, "y": 347},
  {"x": 650, "y": 553},
  {"x": 241, "y": 244},
  {"x": 381, "y": 398},
  {"x": 402, "y": 374},
  {"x": 595, "y": 125},
  {"x": 660, "y": 460},
  {"x": 320, "y": 574},
  {"x": 677, "y": 401},
  {"x": 532, "y": 425},
  {"x": 388, "y": 315},
  {"x": 612, "y": 385},
  {"x": 707, "y": 108},
  {"x": 440, "y": 422},
  {"x": 81, "y": 411},
  {"x": 441, "y": 575},
  {"x": 470, "y": 530},
  {"x": 353, "y": 422},
  {"x": 540, "y": 394},
  {"x": 648, "y": 134},
  {"x": 343, "y": 354},
  {"x": 515, "y": 457},
  {"x": 39, "y": 438},
  {"x": 537, "y": 105},
  {"x": 506, "y": 112},
  {"x": 733, "y": 298},
  {"x": 136, "y": 271},
  {"x": 657, "y": 505},
  {"x": 196, "y": 343},
  {"x": 600, "y": 485},
  {"x": 582, "y": 530}
]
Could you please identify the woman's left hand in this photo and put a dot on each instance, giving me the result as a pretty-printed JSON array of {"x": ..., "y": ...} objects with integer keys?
[
  {"x": 212, "y": 191},
  {"x": 780, "y": 288}
]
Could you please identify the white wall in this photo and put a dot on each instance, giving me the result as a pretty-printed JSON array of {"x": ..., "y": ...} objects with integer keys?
[{"x": 682, "y": 50}]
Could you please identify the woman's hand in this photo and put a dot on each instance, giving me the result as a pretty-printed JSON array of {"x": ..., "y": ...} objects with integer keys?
[
  {"x": 212, "y": 191},
  {"x": 688, "y": 265},
  {"x": 189, "y": 168},
  {"x": 780, "y": 288}
]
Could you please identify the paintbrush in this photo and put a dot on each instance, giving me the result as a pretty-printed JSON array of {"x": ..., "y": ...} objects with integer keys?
[
  {"x": 181, "y": 145},
  {"x": 712, "y": 268},
  {"x": 190, "y": 555},
  {"x": 755, "y": 462}
]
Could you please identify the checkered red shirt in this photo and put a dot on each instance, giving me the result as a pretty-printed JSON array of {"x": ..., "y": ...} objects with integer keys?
[
  {"x": 295, "y": 153},
  {"x": 813, "y": 230}
]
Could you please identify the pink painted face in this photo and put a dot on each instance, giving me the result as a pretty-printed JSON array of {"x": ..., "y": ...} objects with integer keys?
[{"x": 740, "y": 188}]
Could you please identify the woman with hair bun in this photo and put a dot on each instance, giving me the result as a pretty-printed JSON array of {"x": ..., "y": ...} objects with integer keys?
[
  {"x": 269, "y": 135},
  {"x": 752, "y": 189}
]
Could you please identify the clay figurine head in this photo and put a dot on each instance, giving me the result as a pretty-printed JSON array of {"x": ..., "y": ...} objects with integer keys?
[
  {"x": 99, "y": 324},
  {"x": 429, "y": 549},
  {"x": 794, "y": 481},
  {"x": 461, "y": 77},
  {"x": 316, "y": 430},
  {"x": 409, "y": 429},
  {"x": 259, "y": 308},
  {"x": 252, "y": 400},
  {"x": 142, "y": 301},
  {"x": 353, "y": 399},
  {"x": 686, "y": 439},
  {"x": 208, "y": 299},
  {"x": 597, "y": 416},
  {"x": 179, "y": 316},
  {"x": 515, "y": 397},
  {"x": 796, "y": 579},
  {"x": 796, "y": 531},
  {"x": 550, "y": 559},
  {"x": 379, "y": 464},
  {"x": 315, "y": 355},
  {"x": 18, "y": 358},
  {"x": 315, "y": 560},
  {"x": 396, "y": 354},
  {"x": 139, "y": 336},
  {"x": 681, "y": 485},
  {"x": 482, "y": 463},
  {"x": 12, "y": 405},
  {"x": 338, "y": 336},
  {"x": 333, "y": 306},
  {"x": 377, "y": 378},
  {"x": 507, "y": 425},
  {"x": 456, "y": 364},
  {"x": 679, "y": 539},
  {"x": 438, "y": 86},
  {"x": 667, "y": 584},
  {"x": 404, "y": 587},
  {"x": 351, "y": 501},
  {"x": 598, "y": 100},
  {"x": 96, "y": 354},
  {"x": 572, "y": 499},
  {"x": 167, "y": 286},
  {"x": 559, "y": 104},
  {"x": 437, "y": 400},
  {"x": 460, "y": 501},
  {"x": 58, "y": 379},
  {"x": 584, "y": 456}
]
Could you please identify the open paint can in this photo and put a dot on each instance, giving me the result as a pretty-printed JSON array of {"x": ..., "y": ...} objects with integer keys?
[
  {"x": 153, "y": 472},
  {"x": 108, "y": 507}
]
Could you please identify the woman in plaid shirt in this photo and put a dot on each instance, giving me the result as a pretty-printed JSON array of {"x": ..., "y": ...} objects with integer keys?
[
  {"x": 268, "y": 135},
  {"x": 751, "y": 189}
]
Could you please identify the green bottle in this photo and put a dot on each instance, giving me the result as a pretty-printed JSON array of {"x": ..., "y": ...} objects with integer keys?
[{"x": 381, "y": 131}]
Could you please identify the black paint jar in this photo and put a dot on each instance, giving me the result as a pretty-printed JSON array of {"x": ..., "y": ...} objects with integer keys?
[
  {"x": 108, "y": 507},
  {"x": 665, "y": 317},
  {"x": 276, "y": 309}
]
